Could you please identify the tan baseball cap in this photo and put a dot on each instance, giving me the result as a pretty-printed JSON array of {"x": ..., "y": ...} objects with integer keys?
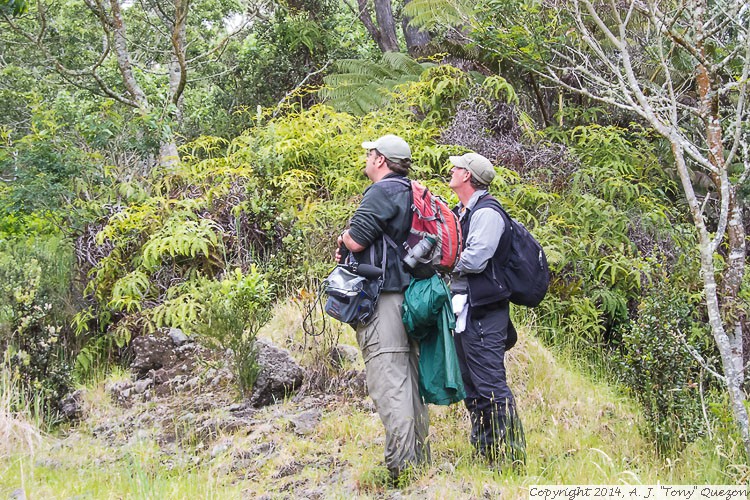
[
  {"x": 391, "y": 146},
  {"x": 479, "y": 166}
]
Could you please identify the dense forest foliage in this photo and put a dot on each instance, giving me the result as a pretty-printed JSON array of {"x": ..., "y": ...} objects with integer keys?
[{"x": 189, "y": 164}]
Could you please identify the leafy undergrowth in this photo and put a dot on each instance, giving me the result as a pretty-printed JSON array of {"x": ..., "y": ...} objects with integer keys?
[{"x": 578, "y": 432}]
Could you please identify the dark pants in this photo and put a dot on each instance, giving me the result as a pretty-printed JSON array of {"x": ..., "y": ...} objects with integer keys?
[{"x": 492, "y": 409}]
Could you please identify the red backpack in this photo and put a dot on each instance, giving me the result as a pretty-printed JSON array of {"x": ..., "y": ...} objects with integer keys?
[{"x": 434, "y": 241}]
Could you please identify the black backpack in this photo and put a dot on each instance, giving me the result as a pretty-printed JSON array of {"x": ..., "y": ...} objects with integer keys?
[{"x": 526, "y": 273}]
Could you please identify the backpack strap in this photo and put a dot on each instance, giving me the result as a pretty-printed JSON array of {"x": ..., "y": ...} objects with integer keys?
[
  {"x": 383, "y": 261},
  {"x": 400, "y": 179},
  {"x": 489, "y": 201},
  {"x": 387, "y": 239}
]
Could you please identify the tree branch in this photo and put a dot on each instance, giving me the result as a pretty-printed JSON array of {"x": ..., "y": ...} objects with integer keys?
[
  {"x": 70, "y": 75},
  {"x": 179, "y": 34},
  {"x": 123, "y": 57},
  {"x": 299, "y": 85},
  {"x": 740, "y": 117},
  {"x": 221, "y": 46},
  {"x": 701, "y": 361}
]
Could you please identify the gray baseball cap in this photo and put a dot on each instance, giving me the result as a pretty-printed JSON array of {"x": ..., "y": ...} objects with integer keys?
[
  {"x": 391, "y": 146},
  {"x": 479, "y": 166}
]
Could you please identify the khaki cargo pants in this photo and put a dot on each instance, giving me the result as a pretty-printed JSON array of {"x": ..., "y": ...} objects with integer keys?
[{"x": 392, "y": 363}]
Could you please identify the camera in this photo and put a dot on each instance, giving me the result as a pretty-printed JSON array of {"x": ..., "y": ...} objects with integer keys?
[{"x": 416, "y": 255}]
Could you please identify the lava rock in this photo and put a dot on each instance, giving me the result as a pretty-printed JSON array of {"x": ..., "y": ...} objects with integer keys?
[
  {"x": 279, "y": 376},
  {"x": 71, "y": 406}
]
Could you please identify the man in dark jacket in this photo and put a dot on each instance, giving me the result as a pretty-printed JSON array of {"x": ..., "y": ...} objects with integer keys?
[
  {"x": 484, "y": 330},
  {"x": 391, "y": 359}
]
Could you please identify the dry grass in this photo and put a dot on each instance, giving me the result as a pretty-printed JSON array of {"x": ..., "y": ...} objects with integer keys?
[{"x": 18, "y": 433}]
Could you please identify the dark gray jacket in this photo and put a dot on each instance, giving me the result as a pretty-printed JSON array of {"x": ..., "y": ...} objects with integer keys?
[{"x": 385, "y": 209}]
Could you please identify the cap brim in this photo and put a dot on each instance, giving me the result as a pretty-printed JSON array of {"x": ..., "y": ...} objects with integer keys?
[
  {"x": 458, "y": 161},
  {"x": 368, "y": 145}
]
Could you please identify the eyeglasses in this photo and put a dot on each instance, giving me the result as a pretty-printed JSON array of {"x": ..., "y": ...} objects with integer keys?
[{"x": 455, "y": 169}]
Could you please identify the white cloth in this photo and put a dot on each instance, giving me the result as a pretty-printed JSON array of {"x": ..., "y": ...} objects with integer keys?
[{"x": 461, "y": 310}]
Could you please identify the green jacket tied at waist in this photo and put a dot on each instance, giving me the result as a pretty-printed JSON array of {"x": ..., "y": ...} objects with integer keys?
[{"x": 428, "y": 318}]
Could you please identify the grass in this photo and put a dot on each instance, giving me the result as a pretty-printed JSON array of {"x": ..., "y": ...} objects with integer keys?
[
  {"x": 578, "y": 431},
  {"x": 19, "y": 429}
]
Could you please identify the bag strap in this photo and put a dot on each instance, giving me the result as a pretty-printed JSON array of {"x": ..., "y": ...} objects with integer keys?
[
  {"x": 385, "y": 252},
  {"x": 400, "y": 251},
  {"x": 315, "y": 309},
  {"x": 386, "y": 241}
]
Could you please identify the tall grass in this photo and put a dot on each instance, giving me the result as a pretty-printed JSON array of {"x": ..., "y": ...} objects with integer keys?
[{"x": 18, "y": 431}]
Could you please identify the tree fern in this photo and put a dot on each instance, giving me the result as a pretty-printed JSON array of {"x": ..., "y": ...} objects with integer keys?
[
  {"x": 403, "y": 63},
  {"x": 360, "y": 86},
  {"x": 430, "y": 14}
]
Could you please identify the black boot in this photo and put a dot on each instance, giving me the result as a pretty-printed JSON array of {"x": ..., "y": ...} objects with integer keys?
[
  {"x": 515, "y": 439},
  {"x": 497, "y": 432}
]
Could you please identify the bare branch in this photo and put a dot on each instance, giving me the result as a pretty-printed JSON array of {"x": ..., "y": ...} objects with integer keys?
[
  {"x": 721, "y": 226},
  {"x": 741, "y": 103},
  {"x": 111, "y": 93},
  {"x": 166, "y": 19},
  {"x": 300, "y": 84},
  {"x": 214, "y": 75},
  {"x": 97, "y": 8},
  {"x": 159, "y": 28},
  {"x": 746, "y": 162},
  {"x": 654, "y": 13},
  {"x": 701, "y": 361},
  {"x": 221, "y": 46},
  {"x": 599, "y": 23}
]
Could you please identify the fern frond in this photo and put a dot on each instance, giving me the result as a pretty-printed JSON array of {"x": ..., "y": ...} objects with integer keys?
[
  {"x": 359, "y": 86},
  {"x": 366, "y": 68},
  {"x": 179, "y": 237},
  {"x": 402, "y": 63},
  {"x": 430, "y": 14},
  {"x": 342, "y": 80}
]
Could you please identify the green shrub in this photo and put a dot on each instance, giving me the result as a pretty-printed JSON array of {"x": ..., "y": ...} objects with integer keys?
[
  {"x": 34, "y": 332},
  {"x": 601, "y": 232},
  {"x": 235, "y": 308},
  {"x": 655, "y": 361},
  {"x": 40, "y": 164}
]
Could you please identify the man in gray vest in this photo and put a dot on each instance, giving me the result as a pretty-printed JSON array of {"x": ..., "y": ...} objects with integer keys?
[
  {"x": 391, "y": 358},
  {"x": 484, "y": 330}
]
